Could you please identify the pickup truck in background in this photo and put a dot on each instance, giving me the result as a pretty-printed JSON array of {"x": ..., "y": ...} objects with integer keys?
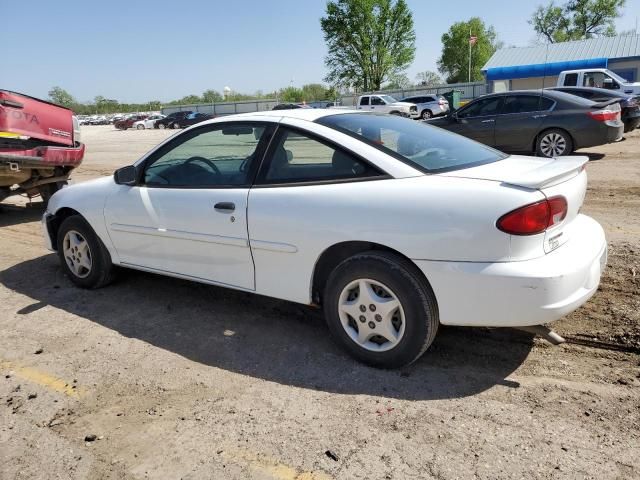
[
  {"x": 387, "y": 104},
  {"x": 597, "y": 78},
  {"x": 39, "y": 146}
]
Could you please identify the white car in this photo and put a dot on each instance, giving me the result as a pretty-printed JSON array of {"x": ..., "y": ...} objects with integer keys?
[
  {"x": 148, "y": 122},
  {"x": 393, "y": 227},
  {"x": 380, "y": 103}
]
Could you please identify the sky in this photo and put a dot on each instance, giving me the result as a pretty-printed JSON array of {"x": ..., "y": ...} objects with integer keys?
[{"x": 141, "y": 50}]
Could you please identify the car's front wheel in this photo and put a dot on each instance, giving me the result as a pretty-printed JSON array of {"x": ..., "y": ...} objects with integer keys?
[
  {"x": 161, "y": 126},
  {"x": 140, "y": 127},
  {"x": 426, "y": 114},
  {"x": 380, "y": 309},
  {"x": 82, "y": 254},
  {"x": 175, "y": 125}
]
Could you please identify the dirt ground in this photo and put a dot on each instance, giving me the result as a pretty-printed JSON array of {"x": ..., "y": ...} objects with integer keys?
[{"x": 154, "y": 377}]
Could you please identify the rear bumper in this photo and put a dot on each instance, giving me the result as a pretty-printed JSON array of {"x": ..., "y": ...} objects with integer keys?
[
  {"x": 44, "y": 156},
  {"x": 514, "y": 294}
]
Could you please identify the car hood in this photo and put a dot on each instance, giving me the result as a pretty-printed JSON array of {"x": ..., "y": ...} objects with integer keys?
[{"x": 523, "y": 171}]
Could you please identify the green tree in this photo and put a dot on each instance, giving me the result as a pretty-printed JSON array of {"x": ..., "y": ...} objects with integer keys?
[
  {"x": 314, "y": 91},
  {"x": 576, "y": 20},
  {"x": 398, "y": 82},
  {"x": 454, "y": 61},
  {"x": 429, "y": 79},
  {"x": 211, "y": 96},
  {"x": 189, "y": 99},
  {"x": 368, "y": 41},
  {"x": 61, "y": 97},
  {"x": 291, "y": 94}
]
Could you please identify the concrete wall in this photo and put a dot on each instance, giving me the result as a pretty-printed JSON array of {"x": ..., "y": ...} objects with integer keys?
[{"x": 533, "y": 83}]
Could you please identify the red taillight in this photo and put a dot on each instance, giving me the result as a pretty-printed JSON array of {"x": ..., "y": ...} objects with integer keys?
[
  {"x": 534, "y": 218},
  {"x": 609, "y": 113}
]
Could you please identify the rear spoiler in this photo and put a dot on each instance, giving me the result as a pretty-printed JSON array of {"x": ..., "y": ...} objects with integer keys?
[
  {"x": 606, "y": 103},
  {"x": 556, "y": 170}
]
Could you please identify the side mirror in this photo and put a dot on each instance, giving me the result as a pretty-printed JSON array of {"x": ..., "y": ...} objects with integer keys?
[
  {"x": 454, "y": 116},
  {"x": 126, "y": 175}
]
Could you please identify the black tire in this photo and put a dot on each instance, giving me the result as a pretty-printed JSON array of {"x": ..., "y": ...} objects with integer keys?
[
  {"x": 161, "y": 126},
  {"x": 566, "y": 138},
  {"x": 47, "y": 190},
  {"x": 175, "y": 125},
  {"x": 414, "y": 293},
  {"x": 102, "y": 270},
  {"x": 140, "y": 127},
  {"x": 426, "y": 114}
]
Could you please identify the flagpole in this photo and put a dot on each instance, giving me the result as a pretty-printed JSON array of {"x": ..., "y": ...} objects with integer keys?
[{"x": 469, "y": 54}]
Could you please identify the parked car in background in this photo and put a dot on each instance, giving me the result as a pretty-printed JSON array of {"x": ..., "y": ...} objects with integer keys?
[
  {"x": 597, "y": 78},
  {"x": 384, "y": 222},
  {"x": 630, "y": 104},
  {"x": 546, "y": 122},
  {"x": 148, "y": 122},
  {"x": 171, "y": 120},
  {"x": 428, "y": 106},
  {"x": 128, "y": 122},
  {"x": 192, "y": 119},
  {"x": 289, "y": 106},
  {"x": 380, "y": 103}
]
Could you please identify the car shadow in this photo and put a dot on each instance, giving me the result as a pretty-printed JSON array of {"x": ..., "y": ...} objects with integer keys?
[
  {"x": 12, "y": 214},
  {"x": 593, "y": 156},
  {"x": 266, "y": 338}
]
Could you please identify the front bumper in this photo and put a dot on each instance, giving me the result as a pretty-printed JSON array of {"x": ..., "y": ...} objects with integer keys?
[{"x": 515, "y": 294}]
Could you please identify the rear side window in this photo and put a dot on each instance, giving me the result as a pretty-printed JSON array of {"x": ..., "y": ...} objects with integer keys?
[
  {"x": 422, "y": 146},
  {"x": 525, "y": 104},
  {"x": 571, "y": 80},
  {"x": 298, "y": 158},
  {"x": 364, "y": 101}
]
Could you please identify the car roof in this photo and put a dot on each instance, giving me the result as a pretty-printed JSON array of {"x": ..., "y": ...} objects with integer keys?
[
  {"x": 309, "y": 114},
  {"x": 600, "y": 91}
]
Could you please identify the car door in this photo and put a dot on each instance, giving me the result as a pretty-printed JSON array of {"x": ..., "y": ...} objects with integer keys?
[
  {"x": 519, "y": 121},
  {"x": 477, "y": 120},
  {"x": 378, "y": 105},
  {"x": 297, "y": 191},
  {"x": 188, "y": 213},
  {"x": 364, "y": 103}
]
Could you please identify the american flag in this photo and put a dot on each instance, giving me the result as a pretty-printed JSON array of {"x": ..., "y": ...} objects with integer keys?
[{"x": 473, "y": 40}]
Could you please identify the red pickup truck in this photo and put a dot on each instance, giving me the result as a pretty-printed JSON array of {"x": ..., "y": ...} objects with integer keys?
[{"x": 39, "y": 146}]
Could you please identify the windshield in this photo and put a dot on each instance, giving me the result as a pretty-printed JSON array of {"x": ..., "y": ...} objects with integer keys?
[
  {"x": 388, "y": 98},
  {"x": 617, "y": 77},
  {"x": 425, "y": 147}
]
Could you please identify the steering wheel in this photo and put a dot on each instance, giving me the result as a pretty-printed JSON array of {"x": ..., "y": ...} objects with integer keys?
[{"x": 206, "y": 161}]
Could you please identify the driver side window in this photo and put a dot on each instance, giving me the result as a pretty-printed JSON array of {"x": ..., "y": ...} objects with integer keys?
[{"x": 207, "y": 158}]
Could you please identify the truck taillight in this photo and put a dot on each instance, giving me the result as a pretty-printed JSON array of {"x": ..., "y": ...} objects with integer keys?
[{"x": 535, "y": 217}]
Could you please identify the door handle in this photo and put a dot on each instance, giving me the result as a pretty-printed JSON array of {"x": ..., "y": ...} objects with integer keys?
[
  {"x": 488, "y": 121},
  {"x": 539, "y": 116},
  {"x": 225, "y": 206}
]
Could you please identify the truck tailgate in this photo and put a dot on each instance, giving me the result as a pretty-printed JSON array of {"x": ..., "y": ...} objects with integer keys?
[{"x": 25, "y": 116}]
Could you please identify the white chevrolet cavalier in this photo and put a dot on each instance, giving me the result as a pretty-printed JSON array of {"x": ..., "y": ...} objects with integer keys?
[{"x": 392, "y": 226}]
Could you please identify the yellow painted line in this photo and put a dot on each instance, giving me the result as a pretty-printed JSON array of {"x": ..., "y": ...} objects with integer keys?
[
  {"x": 41, "y": 378},
  {"x": 9, "y": 135},
  {"x": 271, "y": 468}
]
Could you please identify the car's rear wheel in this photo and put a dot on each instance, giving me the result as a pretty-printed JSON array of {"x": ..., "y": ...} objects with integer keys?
[
  {"x": 554, "y": 143},
  {"x": 82, "y": 254},
  {"x": 426, "y": 114},
  {"x": 175, "y": 125},
  {"x": 380, "y": 309},
  {"x": 140, "y": 127}
]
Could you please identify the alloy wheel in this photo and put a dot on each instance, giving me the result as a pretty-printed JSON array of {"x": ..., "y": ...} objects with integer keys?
[
  {"x": 553, "y": 145},
  {"x": 77, "y": 254},
  {"x": 372, "y": 315}
]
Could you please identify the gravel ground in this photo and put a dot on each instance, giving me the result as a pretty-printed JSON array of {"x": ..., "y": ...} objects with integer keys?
[{"x": 155, "y": 377}]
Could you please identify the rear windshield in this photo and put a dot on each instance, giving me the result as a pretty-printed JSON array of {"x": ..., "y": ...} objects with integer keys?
[{"x": 423, "y": 146}]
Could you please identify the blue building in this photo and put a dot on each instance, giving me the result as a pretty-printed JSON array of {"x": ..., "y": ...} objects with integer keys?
[{"x": 521, "y": 68}]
